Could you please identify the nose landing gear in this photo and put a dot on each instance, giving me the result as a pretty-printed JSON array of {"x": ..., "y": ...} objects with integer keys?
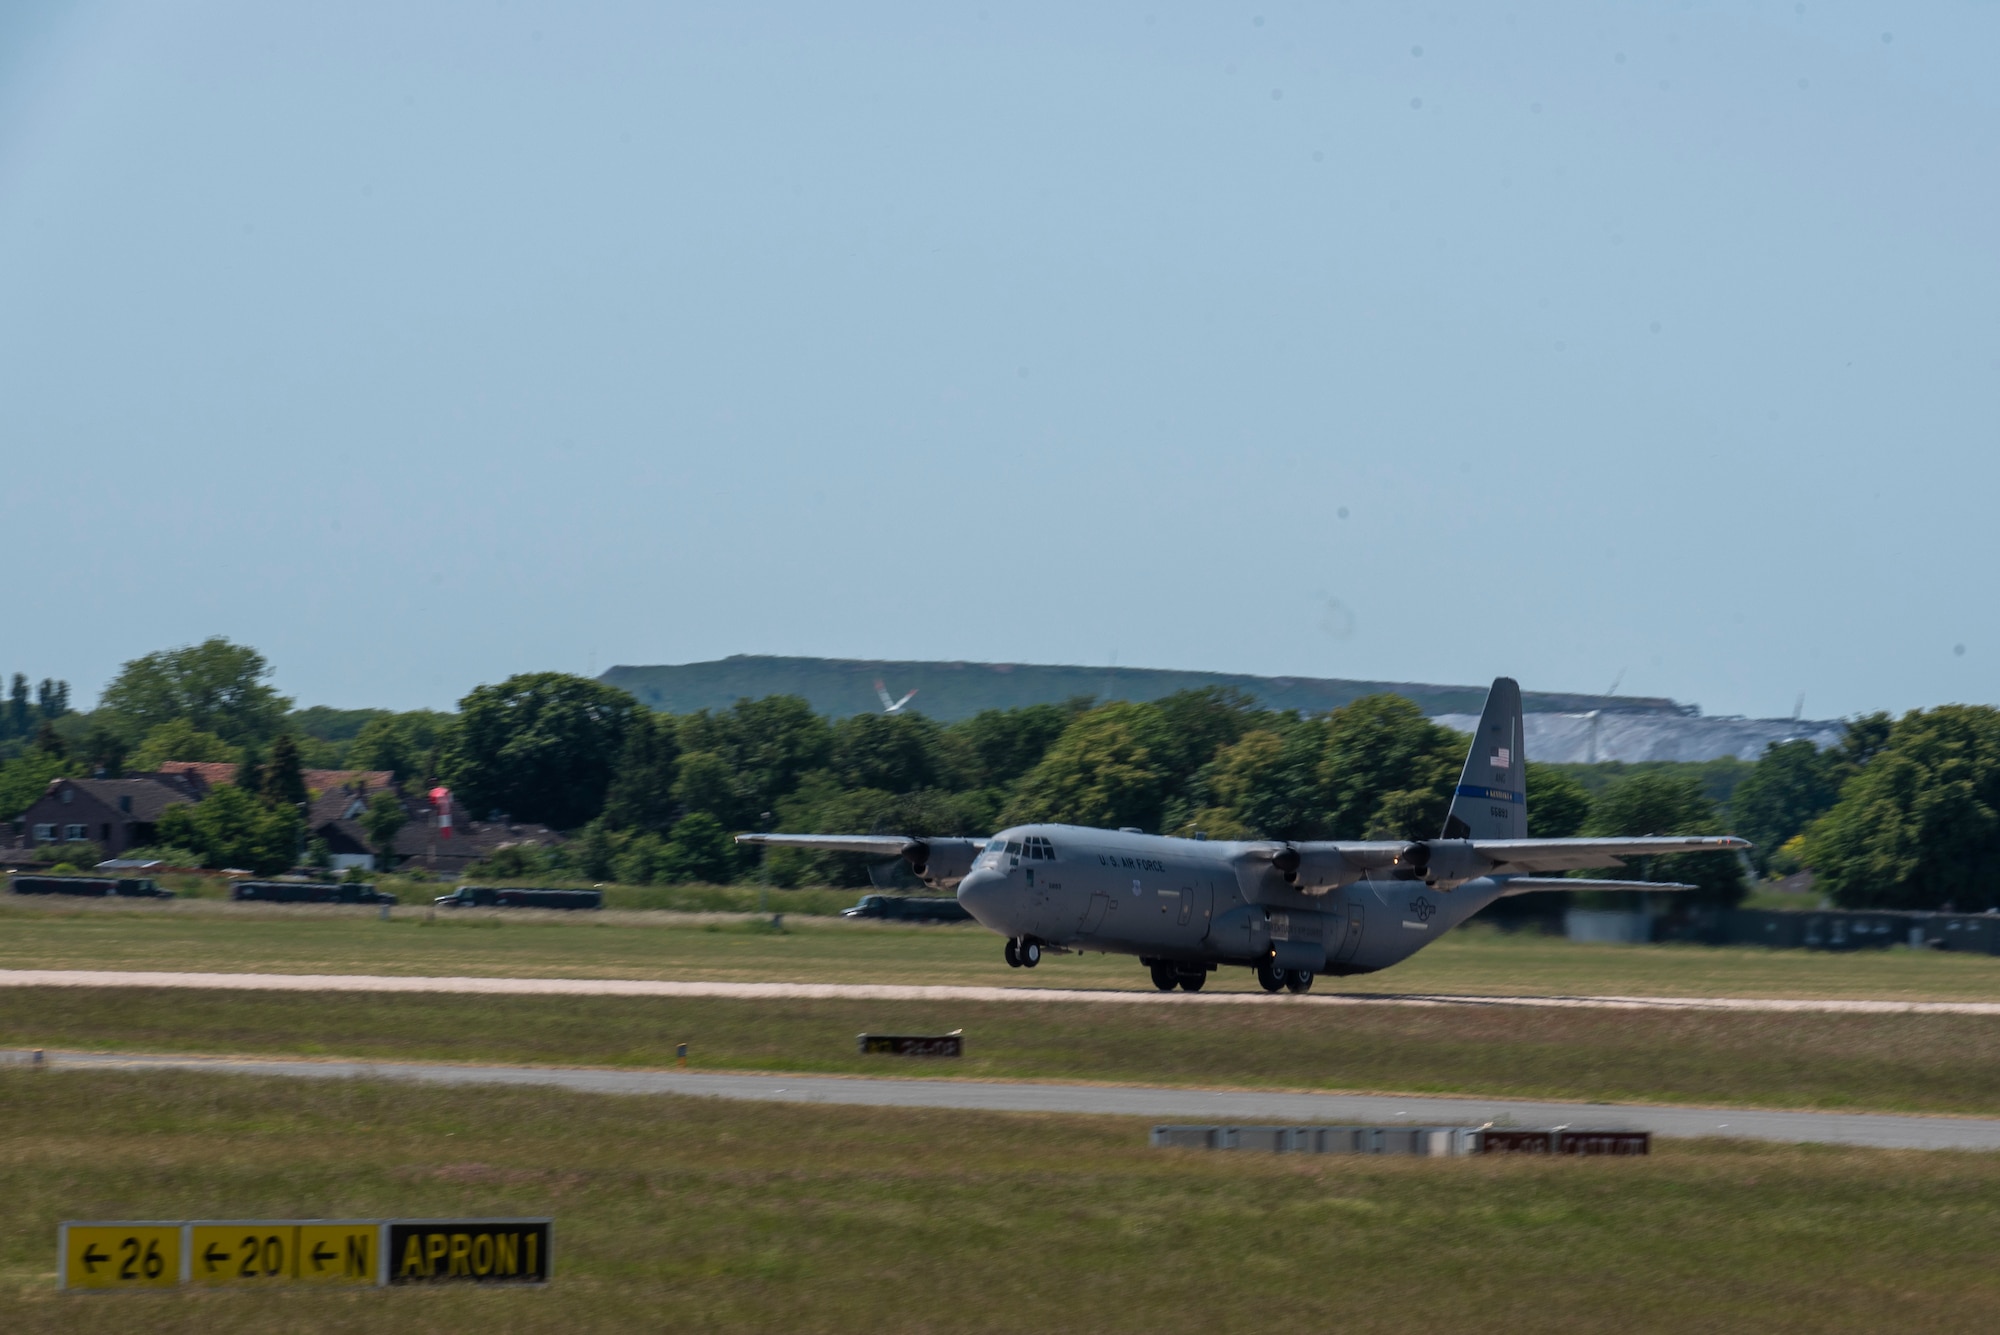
[{"x": 1023, "y": 954}]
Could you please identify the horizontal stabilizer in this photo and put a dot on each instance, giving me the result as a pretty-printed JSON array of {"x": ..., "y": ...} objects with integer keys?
[{"x": 1528, "y": 885}]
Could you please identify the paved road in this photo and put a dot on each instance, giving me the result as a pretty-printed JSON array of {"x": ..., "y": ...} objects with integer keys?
[
  {"x": 1187, "y": 1105},
  {"x": 632, "y": 987}
]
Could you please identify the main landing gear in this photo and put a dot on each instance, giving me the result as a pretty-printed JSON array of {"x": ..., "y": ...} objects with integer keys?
[
  {"x": 1270, "y": 977},
  {"x": 1023, "y": 953},
  {"x": 1188, "y": 978}
]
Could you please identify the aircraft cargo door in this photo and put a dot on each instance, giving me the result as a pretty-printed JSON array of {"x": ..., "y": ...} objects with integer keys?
[{"x": 1350, "y": 939}]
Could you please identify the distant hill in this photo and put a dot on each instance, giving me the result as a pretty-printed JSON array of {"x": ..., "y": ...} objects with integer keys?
[{"x": 947, "y": 692}]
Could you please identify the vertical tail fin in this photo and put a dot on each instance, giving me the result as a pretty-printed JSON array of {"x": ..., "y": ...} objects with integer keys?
[{"x": 1491, "y": 801}]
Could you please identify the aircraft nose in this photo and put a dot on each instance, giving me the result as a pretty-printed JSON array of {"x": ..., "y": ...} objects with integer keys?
[{"x": 984, "y": 895}]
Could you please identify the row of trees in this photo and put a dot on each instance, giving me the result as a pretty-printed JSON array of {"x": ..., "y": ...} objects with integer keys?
[
  {"x": 1903, "y": 813},
  {"x": 655, "y": 795}
]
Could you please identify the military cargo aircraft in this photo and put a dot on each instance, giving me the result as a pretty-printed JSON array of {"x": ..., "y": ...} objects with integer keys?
[{"x": 1287, "y": 909}]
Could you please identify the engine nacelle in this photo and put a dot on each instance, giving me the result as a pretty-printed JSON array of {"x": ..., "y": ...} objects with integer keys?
[
  {"x": 1314, "y": 871},
  {"x": 1442, "y": 862},
  {"x": 941, "y": 863}
]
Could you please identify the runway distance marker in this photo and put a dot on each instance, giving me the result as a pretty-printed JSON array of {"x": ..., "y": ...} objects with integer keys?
[{"x": 140, "y": 1254}]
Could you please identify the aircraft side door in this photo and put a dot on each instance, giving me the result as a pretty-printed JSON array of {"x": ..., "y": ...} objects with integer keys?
[
  {"x": 1198, "y": 909},
  {"x": 1093, "y": 912}
]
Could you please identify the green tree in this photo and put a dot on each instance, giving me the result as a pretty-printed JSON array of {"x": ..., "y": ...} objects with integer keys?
[
  {"x": 597, "y": 852},
  {"x": 540, "y": 746},
  {"x": 1918, "y": 827},
  {"x": 281, "y": 780},
  {"x": 326, "y": 724},
  {"x": 1655, "y": 802},
  {"x": 1387, "y": 771},
  {"x": 896, "y": 752},
  {"x": 26, "y": 777},
  {"x": 1794, "y": 784},
  {"x": 995, "y": 747},
  {"x": 707, "y": 782},
  {"x": 179, "y": 739},
  {"x": 20, "y": 714},
  {"x": 1265, "y": 785},
  {"x": 1104, "y": 770},
  {"x": 641, "y": 796},
  {"x": 1866, "y": 736},
  {"x": 104, "y": 750},
  {"x": 701, "y": 850},
  {"x": 767, "y": 744},
  {"x": 1558, "y": 806},
  {"x": 216, "y": 686},
  {"x": 404, "y": 744},
  {"x": 382, "y": 820},
  {"x": 231, "y": 828}
]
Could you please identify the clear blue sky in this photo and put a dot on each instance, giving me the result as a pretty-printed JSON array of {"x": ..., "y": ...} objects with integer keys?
[{"x": 421, "y": 344}]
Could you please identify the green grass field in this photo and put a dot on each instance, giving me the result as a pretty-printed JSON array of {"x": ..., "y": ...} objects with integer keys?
[
  {"x": 1921, "y": 1063},
  {"x": 687, "y": 897},
  {"x": 212, "y": 936},
  {"x": 695, "y": 1215}
]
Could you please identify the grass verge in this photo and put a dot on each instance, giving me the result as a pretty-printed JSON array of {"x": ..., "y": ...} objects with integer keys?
[
  {"x": 513, "y": 943},
  {"x": 1904, "y": 1063},
  {"x": 695, "y": 1215}
]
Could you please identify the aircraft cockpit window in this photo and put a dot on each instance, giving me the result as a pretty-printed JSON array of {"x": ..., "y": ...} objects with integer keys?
[
  {"x": 1013, "y": 846},
  {"x": 1040, "y": 849}
]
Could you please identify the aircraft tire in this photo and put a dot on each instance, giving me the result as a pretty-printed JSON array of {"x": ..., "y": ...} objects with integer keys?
[
  {"x": 1299, "y": 980},
  {"x": 1165, "y": 977},
  {"x": 1270, "y": 977},
  {"x": 1013, "y": 953},
  {"x": 1030, "y": 953},
  {"x": 1193, "y": 982}
]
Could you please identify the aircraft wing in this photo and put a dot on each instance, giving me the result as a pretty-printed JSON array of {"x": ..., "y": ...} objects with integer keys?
[
  {"x": 1528, "y": 885},
  {"x": 1532, "y": 855},
  {"x": 876, "y": 845}
]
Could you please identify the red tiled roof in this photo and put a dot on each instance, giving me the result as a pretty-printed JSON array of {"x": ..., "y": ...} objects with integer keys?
[{"x": 210, "y": 772}]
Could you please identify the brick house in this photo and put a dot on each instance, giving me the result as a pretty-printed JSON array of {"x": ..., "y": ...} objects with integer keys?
[{"x": 114, "y": 814}]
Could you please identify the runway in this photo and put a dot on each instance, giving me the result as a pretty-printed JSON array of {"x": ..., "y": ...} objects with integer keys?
[
  {"x": 627, "y": 987},
  {"x": 1874, "y": 1130}
]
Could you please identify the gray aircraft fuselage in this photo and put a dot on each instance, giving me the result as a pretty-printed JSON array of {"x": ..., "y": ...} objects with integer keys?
[{"x": 1201, "y": 902}]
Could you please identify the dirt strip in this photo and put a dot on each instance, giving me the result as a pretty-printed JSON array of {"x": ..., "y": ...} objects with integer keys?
[{"x": 618, "y": 987}]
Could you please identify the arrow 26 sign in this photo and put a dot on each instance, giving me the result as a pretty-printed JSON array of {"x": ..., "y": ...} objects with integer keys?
[{"x": 256, "y": 1252}]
